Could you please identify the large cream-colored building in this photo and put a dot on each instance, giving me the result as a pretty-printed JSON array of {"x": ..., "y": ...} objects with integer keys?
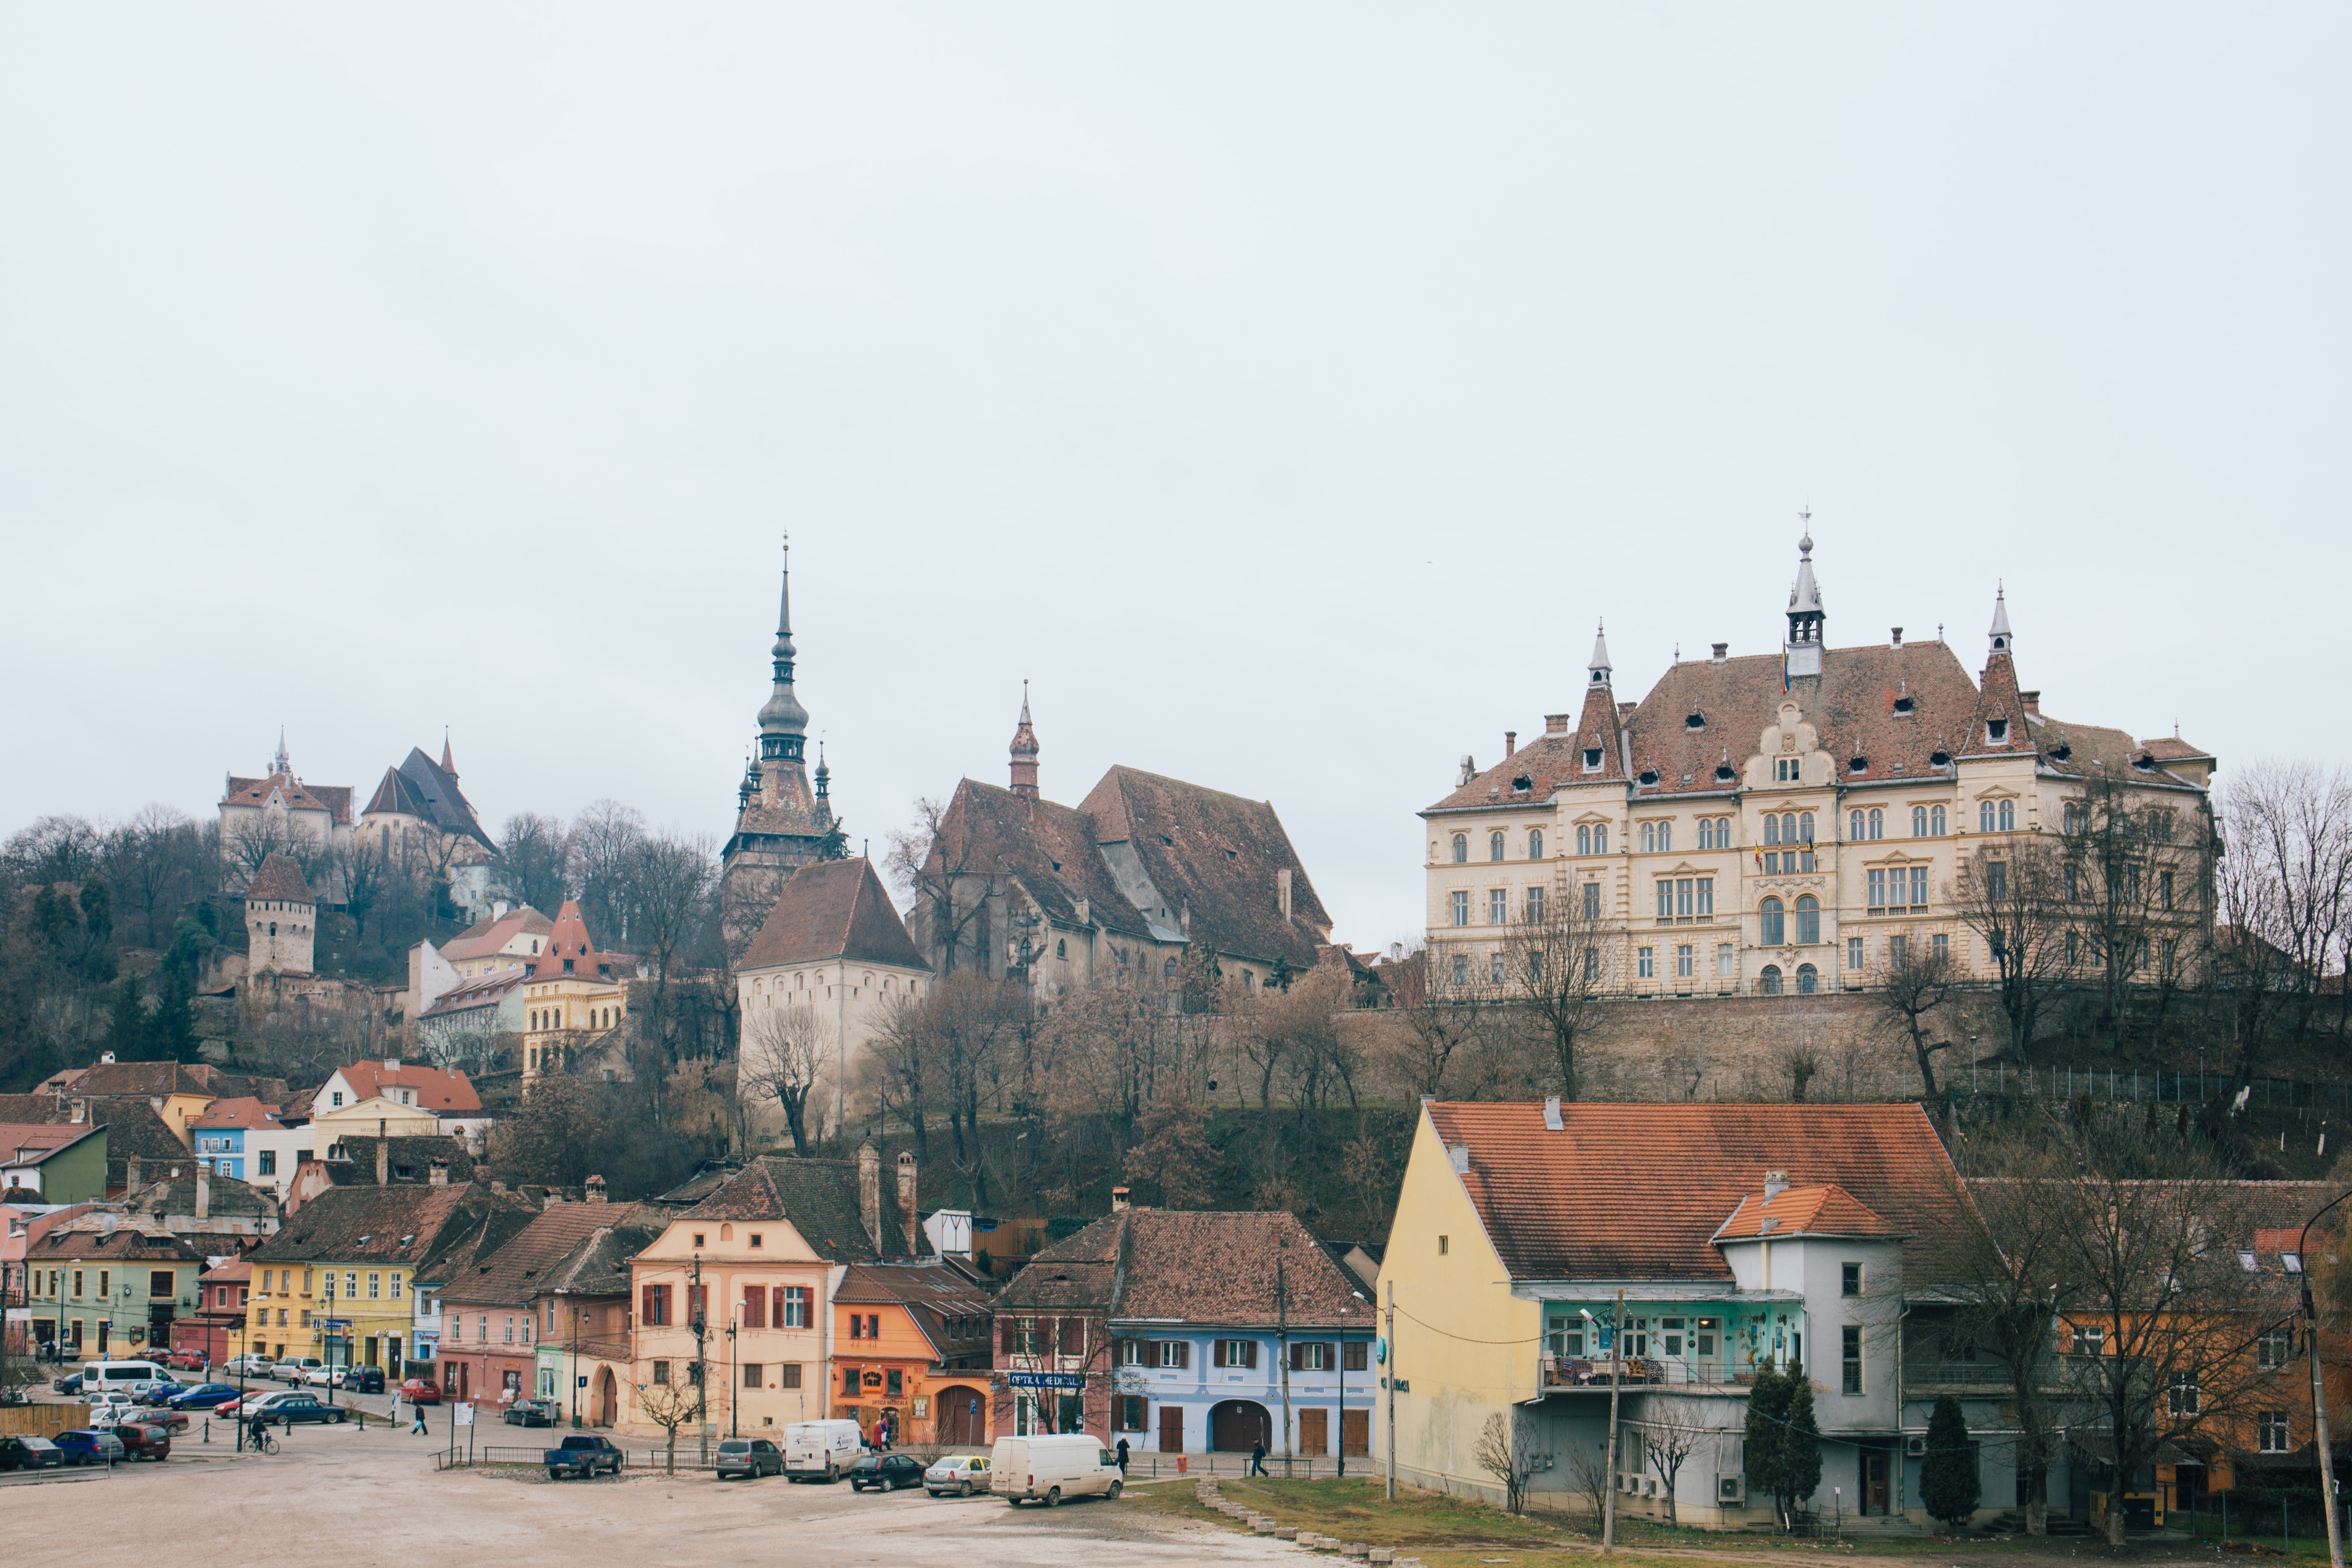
[
  {"x": 278, "y": 811},
  {"x": 1779, "y": 823},
  {"x": 574, "y": 998}
]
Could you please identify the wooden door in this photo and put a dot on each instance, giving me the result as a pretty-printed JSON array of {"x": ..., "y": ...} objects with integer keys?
[
  {"x": 1355, "y": 1431},
  {"x": 1171, "y": 1428},
  {"x": 1874, "y": 1481},
  {"x": 1312, "y": 1437}
]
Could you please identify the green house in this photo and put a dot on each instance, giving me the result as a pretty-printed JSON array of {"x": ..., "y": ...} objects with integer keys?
[
  {"x": 61, "y": 1162},
  {"x": 93, "y": 1291}
]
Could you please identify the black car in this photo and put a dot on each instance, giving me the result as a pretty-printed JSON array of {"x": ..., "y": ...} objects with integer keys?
[
  {"x": 886, "y": 1472},
  {"x": 29, "y": 1454},
  {"x": 364, "y": 1380},
  {"x": 299, "y": 1407},
  {"x": 532, "y": 1413}
]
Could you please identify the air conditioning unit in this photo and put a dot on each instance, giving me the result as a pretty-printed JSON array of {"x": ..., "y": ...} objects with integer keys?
[
  {"x": 1731, "y": 1488},
  {"x": 1915, "y": 1446},
  {"x": 1650, "y": 1486}
]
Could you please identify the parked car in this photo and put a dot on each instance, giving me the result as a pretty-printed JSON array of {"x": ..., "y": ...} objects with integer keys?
[
  {"x": 29, "y": 1454},
  {"x": 753, "y": 1457},
  {"x": 532, "y": 1412},
  {"x": 173, "y": 1421},
  {"x": 582, "y": 1455},
  {"x": 360, "y": 1379},
  {"x": 70, "y": 1384},
  {"x": 962, "y": 1474},
  {"x": 421, "y": 1391},
  {"x": 15, "y": 1396},
  {"x": 113, "y": 1403},
  {"x": 186, "y": 1361},
  {"x": 289, "y": 1406},
  {"x": 886, "y": 1472},
  {"x": 296, "y": 1368},
  {"x": 142, "y": 1439},
  {"x": 815, "y": 1450},
  {"x": 247, "y": 1366},
  {"x": 204, "y": 1396},
  {"x": 88, "y": 1445},
  {"x": 1047, "y": 1470}
]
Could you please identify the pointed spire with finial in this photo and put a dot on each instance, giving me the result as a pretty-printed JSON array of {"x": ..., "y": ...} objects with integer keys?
[
  {"x": 824, "y": 773},
  {"x": 280, "y": 763},
  {"x": 1024, "y": 752},
  {"x": 1599, "y": 668},
  {"x": 448, "y": 763},
  {"x": 2000, "y": 633},
  {"x": 784, "y": 722},
  {"x": 1803, "y": 655}
]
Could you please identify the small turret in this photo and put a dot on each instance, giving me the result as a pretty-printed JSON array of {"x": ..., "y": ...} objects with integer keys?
[
  {"x": 1805, "y": 613},
  {"x": 1024, "y": 752},
  {"x": 2000, "y": 633},
  {"x": 1599, "y": 668}
]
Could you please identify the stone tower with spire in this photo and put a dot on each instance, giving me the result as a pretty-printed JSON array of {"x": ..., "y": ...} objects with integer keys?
[
  {"x": 1024, "y": 752},
  {"x": 783, "y": 820},
  {"x": 1803, "y": 648}
]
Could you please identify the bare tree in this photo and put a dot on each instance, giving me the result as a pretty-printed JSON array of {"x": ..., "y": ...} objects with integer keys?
[
  {"x": 605, "y": 839},
  {"x": 2011, "y": 893},
  {"x": 1592, "y": 1476},
  {"x": 670, "y": 882},
  {"x": 948, "y": 891},
  {"x": 1919, "y": 984},
  {"x": 1505, "y": 1451},
  {"x": 2285, "y": 891},
  {"x": 1458, "y": 1039},
  {"x": 537, "y": 854},
  {"x": 2131, "y": 873},
  {"x": 670, "y": 1405},
  {"x": 782, "y": 1058},
  {"x": 1670, "y": 1430},
  {"x": 1556, "y": 967},
  {"x": 1803, "y": 1064}
]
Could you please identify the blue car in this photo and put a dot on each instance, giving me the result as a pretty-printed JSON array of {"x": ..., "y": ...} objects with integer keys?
[
  {"x": 208, "y": 1397},
  {"x": 89, "y": 1447}
]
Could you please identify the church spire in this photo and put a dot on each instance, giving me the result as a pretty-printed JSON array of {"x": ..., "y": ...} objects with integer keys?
[
  {"x": 2000, "y": 633},
  {"x": 448, "y": 763},
  {"x": 1599, "y": 668},
  {"x": 280, "y": 763},
  {"x": 784, "y": 722},
  {"x": 1024, "y": 752},
  {"x": 1805, "y": 613}
]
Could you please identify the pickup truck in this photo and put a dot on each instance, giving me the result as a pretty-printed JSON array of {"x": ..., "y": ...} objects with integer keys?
[{"x": 582, "y": 1456}]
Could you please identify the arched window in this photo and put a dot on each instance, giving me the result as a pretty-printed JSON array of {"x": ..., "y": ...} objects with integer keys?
[
  {"x": 1584, "y": 841},
  {"x": 1169, "y": 969},
  {"x": 1985, "y": 817},
  {"x": 1854, "y": 827},
  {"x": 273, "y": 927},
  {"x": 1877, "y": 823},
  {"x": 1771, "y": 829},
  {"x": 1918, "y": 822},
  {"x": 1773, "y": 921},
  {"x": 1535, "y": 844},
  {"x": 1769, "y": 982},
  {"x": 1805, "y": 828},
  {"x": 1666, "y": 836},
  {"x": 1495, "y": 847},
  {"x": 1935, "y": 823},
  {"x": 1809, "y": 920},
  {"x": 1706, "y": 833},
  {"x": 2008, "y": 815},
  {"x": 1809, "y": 979},
  {"x": 1061, "y": 948},
  {"x": 1649, "y": 837},
  {"x": 1461, "y": 847},
  {"x": 1600, "y": 841}
]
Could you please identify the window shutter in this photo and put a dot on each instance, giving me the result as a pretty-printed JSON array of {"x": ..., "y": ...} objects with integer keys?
[
  {"x": 1249, "y": 1354},
  {"x": 755, "y": 1306},
  {"x": 1074, "y": 1336},
  {"x": 1005, "y": 1335},
  {"x": 1183, "y": 1353},
  {"x": 1298, "y": 1357}
]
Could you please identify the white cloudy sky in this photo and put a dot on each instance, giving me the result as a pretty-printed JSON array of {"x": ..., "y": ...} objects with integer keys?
[{"x": 1285, "y": 389}]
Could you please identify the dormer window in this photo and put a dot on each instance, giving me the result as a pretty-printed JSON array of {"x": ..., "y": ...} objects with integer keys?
[
  {"x": 2144, "y": 763},
  {"x": 1997, "y": 732},
  {"x": 1903, "y": 705},
  {"x": 1521, "y": 785},
  {"x": 1592, "y": 759},
  {"x": 1724, "y": 774},
  {"x": 1939, "y": 759},
  {"x": 1696, "y": 722},
  {"x": 1649, "y": 777},
  {"x": 2059, "y": 753},
  {"x": 1858, "y": 765}
]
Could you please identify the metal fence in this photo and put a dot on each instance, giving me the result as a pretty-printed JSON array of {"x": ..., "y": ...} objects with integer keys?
[
  {"x": 2140, "y": 1085},
  {"x": 689, "y": 1459}
]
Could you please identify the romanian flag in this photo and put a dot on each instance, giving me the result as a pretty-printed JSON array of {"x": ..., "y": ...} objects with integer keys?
[{"x": 1784, "y": 671}]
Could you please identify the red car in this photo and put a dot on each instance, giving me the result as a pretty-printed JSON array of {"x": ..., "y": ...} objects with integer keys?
[
  {"x": 143, "y": 1440},
  {"x": 186, "y": 1361},
  {"x": 421, "y": 1391}
]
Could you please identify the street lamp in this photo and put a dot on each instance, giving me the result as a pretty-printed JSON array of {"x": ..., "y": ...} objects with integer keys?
[{"x": 2318, "y": 1389}]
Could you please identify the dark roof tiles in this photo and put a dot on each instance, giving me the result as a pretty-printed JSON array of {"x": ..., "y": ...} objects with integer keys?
[{"x": 829, "y": 910}]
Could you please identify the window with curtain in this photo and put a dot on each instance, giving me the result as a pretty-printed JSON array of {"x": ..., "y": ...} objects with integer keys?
[
  {"x": 1809, "y": 920},
  {"x": 1494, "y": 845},
  {"x": 1461, "y": 847},
  {"x": 1772, "y": 919}
]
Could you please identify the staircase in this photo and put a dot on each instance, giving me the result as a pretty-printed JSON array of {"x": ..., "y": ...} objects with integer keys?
[{"x": 2012, "y": 1523}]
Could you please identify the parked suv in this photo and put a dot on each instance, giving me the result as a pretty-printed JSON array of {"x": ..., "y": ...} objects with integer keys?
[
  {"x": 886, "y": 1472},
  {"x": 141, "y": 1440},
  {"x": 289, "y": 1406},
  {"x": 753, "y": 1457},
  {"x": 297, "y": 1369},
  {"x": 247, "y": 1366}
]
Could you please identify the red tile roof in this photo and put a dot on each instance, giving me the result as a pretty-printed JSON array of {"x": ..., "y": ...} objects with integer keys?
[
  {"x": 485, "y": 938},
  {"x": 568, "y": 942},
  {"x": 828, "y": 910},
  {"x": 1218, "y": 854},
  {"x": 333, "y": 799},
  {"x": 280, "y": 879},
  {"x": 1638, "y": 1192},
  {"x": 436, "y": 1090},
  {"x": 242, "y": 1112},
  {"x": 1827, "y": 1210}
]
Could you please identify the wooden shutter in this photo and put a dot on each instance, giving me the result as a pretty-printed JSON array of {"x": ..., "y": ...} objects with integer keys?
[
  {"x": 1330, "y": 1356},
  {"x": 1171, "y": 1428},
  {"x": 1074, "y": 1336},
  {"x": 1298, "y": 1357},
  {"x": 1249, "y": 1354},
  {"x": 1183, "y": 1357},
  {"x": 1005, "y": 1335},
  {"x": 755, "y": 1306}
]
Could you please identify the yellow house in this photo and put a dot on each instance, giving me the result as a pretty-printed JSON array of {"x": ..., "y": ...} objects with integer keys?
[
  {"x": 369, "y": 1118},
  {"x": 571, "y": 993},
  {"x": 178, "y": 1096},
  {"x": 756, "y": 1265}
]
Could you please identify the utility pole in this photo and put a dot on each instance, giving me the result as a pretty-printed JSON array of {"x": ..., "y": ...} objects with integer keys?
[
  {"x": 1616, "y": 1382},
  {"x": 1388, "y": 1382},
  {"x": 2319, "y": 1397},
  {"x": 701, "y": 1323},
  {"x": 734, "y": 1400},
  {"x": 1281, "y": 1320}
]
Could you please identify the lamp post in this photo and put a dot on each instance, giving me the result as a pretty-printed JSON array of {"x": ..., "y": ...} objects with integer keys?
[
  {"x": 2319, "y": 1389},
  {"x": 575, "y": 1369}
]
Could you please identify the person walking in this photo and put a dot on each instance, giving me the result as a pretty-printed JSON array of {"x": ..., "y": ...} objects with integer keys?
[
  {"x": 417, "y": 1410},
  {"x": 1122, "y": 1456},
  {"x": 1257, "y": 1458}
]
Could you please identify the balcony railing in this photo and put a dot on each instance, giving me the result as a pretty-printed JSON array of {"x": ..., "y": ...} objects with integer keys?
[{"x": 1652, "y": 1372}]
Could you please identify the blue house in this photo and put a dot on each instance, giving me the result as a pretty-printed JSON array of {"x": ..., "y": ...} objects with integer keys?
[
  {"x": 1190, "y": 1333},
  {"x": 218, "y": 1136}
]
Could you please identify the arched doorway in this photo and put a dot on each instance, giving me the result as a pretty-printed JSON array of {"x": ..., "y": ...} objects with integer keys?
[
  {"x": 963, "y": 1416},
  {"x": 1235, "y": 1424},
  {"x": 608, "y": 1399}
]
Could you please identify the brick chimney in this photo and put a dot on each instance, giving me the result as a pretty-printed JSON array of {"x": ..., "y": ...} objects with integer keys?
[
  {"x": 1722, "y": 653},
  {"x": 436, "y": 1173},
  {"x": 907, "y": 1214},
  {"x": 2033, "y": 700},
  {"x": 869, "y": 1190},
  {"x": 1510, "y": 743},
  {"x": 130, "y": 1174},
  {"x": 595, "y": 1186},
  {"x": 382, "y": 1155},
  {"x": 1282, "y": 889},
  {"x": 1775, "y": 1184},
  {"x": 1118, "y": 1200},
  {"x": 1556, "y": 723}
]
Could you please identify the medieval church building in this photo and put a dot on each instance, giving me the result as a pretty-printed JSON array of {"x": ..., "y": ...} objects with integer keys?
[{"x": 783, "y": 820}]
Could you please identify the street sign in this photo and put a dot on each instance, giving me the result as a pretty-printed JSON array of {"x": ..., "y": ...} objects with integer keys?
[
  {"x": 1381, "y": 1350},
  {"x": 1073, "y": 1380},
  {"x": 464, "y": 1415},
  {"x": 581, "y": 1382}
]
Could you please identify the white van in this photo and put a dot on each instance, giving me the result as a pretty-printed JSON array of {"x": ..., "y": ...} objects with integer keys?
[
  {"x": 121, "y": 1374},
  {"x": 821, "y": 1450},
  {"x": 1047, "y": 1470}
]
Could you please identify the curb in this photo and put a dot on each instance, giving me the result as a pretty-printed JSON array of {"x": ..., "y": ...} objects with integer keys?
[{"x": 1260, "y": 1523}]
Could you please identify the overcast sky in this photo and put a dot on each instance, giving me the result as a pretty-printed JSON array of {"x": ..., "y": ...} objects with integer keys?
[{"x": 1284, "y": 390}]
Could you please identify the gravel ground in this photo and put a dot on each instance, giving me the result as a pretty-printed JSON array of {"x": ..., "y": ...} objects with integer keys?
[{"x": 349, "y": 1496}]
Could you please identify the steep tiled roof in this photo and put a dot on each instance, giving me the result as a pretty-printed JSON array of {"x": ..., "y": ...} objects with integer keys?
[
  {"x": 1078, "y": 1272},
  {"x": 1051, "y": 850},
  {"x": 1219, "y": 856},
  {"x": 137, "y": 1077},
  {"x": 222, "y": 1115},
  {"x": 123, "y": 1243},
  {"x": 1826, "y": 1210},
  {"x": 229, "y": 1198},
  {"x": 30, "y": 1142},
  {"x": 481, "y": 991},
  {"x": 598, "y": 1263},
  {"x": 405, "y": 1159},
  {"x": 569, "y": 943},
  {"x": 134, "y": 1128},
  {"x": 419, "y": 787},
  {"x": 230, "y": 1085},
  {"x": 436, "y": 1090},
  {"x": 832, "y": 909},
  {"x": 1638, "y": 1192},
  {"x": 391, "y": 1224},
  {"x": 817, "y": 1197},
  {"x": 1175, "y": 1264},
  {"x": 519, "y": 1269},
  {"x": 280, "y": 879},
  {"x": 333, "y": 799},
  {"x": 484, "y": 938}
]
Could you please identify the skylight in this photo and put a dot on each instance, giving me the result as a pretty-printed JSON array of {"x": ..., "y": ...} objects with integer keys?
[{"x": 2246, "y": 1261}]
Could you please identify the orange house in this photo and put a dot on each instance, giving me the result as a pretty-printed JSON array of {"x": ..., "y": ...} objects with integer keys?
[{"x": 910, "y": 1347}]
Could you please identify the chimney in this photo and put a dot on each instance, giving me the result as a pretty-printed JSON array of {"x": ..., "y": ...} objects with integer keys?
[
  {"x": 382, "y": 1161},
  {"x": 595, "y": 1186},
  {"x": 869, "y": 1190},
  {"x": 1722, "y": 652},
  {"x": 1775, "y": 1184},
  {"x": 392, "y": 1064},
  {"x": 1898, "y": 638},
  {"x": 549, "y": 1199},
  {"x": 204, "y": 1190},
  {"x": 1626, "y": 710},
  {"x": 436, "y": 1173},
  {"x": 1460, "y": 1154},
  {"x": 130, "y": 1174},
  {"x": 908, "y": 1214},
  {"x": 1510, "y": 743},
  {"x": 2033, "y": 700},
  {"x": 499, "y": 1189},
  {"x": 1554, "y": 724},
  {"x": 497, "y": 908},
  {"x": 1551, "y": 1115},
  {"x": 1282, "y": 886},
  {"x": 1118, "y": 1200}
]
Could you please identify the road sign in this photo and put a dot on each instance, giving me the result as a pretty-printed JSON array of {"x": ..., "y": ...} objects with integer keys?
[
  {"x": 1074, "y": 1380},
  {"x": 465, "y": 1416}
]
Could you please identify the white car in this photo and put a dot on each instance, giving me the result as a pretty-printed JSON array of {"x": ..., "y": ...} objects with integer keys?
[
  {"x": 247, "y": 1366},
  {"x": 321, "y": 1377},
  {"x": 962, "y": 1474},
  {"x": 296, "y": 1369}
]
